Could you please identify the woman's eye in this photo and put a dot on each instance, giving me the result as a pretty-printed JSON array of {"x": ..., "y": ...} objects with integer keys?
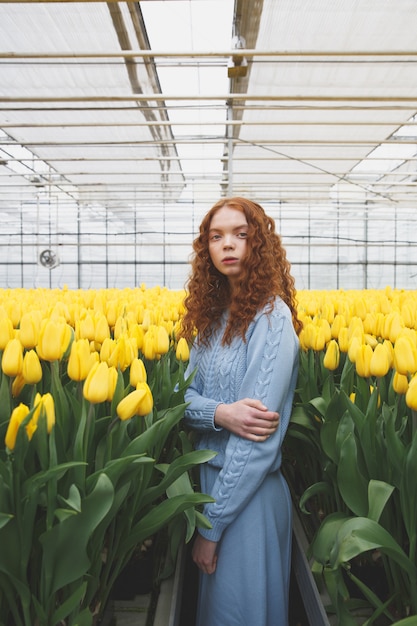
[{"x": 243, "y": 235}]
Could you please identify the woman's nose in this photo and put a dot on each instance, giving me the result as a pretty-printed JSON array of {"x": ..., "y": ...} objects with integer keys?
[{"x": 228, "y": 241}]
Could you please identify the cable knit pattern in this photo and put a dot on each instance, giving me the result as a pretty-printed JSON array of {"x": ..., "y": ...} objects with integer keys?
[
  {"x": 251, "y": 515},
  {"x": 265, "y": 367}
]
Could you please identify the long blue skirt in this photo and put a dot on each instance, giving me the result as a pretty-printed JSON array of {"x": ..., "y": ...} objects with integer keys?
[{"x": 250, "y": 586}]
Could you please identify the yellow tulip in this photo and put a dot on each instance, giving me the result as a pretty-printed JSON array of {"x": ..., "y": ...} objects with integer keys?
[
  {"x": 113, "y": 375},
  {"x": 400, "y": 383},
  {"x": 44, "y": 406},
  {"x": 101, "y": 329},
  {"x": 405, "y": 355},
  {"x": 79, "y": 363},
  {"x": 17, "y": 385},
  {"x": 393, "y": 326},
  {"x": 182, "y": 352},
  {"x": 360, "y": 307},
  {"x": 343, "y": 339},
  {"x": 54, "y": 338},
  {"x": 32, "y": 369},
  {"x": 148, "y": 319},
  {"x": 354, "y": 346},
  {"x": 380, "y": 361},
  {"x": 29, "y": 329},
  {"x": 332, "y": 355},
  {"x": 411, "y": 394},
  {"x": 12, "y": 361},
  {"x": 147, "y": 402},
  {"x": 16, "y": 418},
  {"x": 390, "y": 350},
  {"x": 338, "y": 323},
  {"x": 6, "y": 332},
  {"x": 137, "y": 372},
  {"x": 161, "y": 340},
  {"x": 86, "y": 328},
  {"x": 320, "y": 339},
  {"x": 123, "y": 353},
  {"x": 106, "y": 349},
  {"x": 148, "y": 347},
  {"x": 363, "y": 360},
  {"x": 130, "y": 405},
  {"x": 96, "y": 385}
]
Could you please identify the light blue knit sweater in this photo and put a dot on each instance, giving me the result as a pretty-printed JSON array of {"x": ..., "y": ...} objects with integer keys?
[{"x": 264, "y": 367}]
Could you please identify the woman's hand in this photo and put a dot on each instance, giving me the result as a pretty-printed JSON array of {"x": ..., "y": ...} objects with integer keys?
[
  {"x": 247, "y": 418},
  {"x": 204, "y": 554}
]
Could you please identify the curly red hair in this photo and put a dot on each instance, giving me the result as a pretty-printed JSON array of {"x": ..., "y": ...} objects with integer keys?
[{"x": 265, "y": 274}]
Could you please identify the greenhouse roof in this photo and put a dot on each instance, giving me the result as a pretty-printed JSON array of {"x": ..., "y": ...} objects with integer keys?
[{"x": 124, "y": 104}]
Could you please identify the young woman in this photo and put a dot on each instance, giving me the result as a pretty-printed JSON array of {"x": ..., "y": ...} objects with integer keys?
[{"x": 241, "y": 300}]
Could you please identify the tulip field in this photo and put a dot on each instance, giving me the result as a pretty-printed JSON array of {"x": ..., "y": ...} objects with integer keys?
[{"x": 94, "y": 457}]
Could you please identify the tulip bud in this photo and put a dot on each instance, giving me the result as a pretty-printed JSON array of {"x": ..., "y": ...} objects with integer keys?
[
  {"x": 147, "y": 319},
  {"x": 44, "y": 406},
  {"x": 411, "y": 394},
  {"x": 17, "y": 385},
  {"x": 400, "y": 383},
  {"x": 106, "y": 349},
  {"x": 380, "y": 363},
  {"x": 354, "y": 346},
  {"x": 182, "y": 352},
  {"x": 12, "y": 361},
  {"x": 79, "y": 363},
  {"x": 6, "y": 332},
  {"x": 148, "y": 347},
  {"x": 16, "y": 418},
  {"x": 130, "y": 405},
  {"x": 332, "y": 356},
  {"x": 161, "y": 340},
  {"x": 363, "y": 360},
  {"x": 319, "y": 339},
  {"x": 96, "y": 385},
  {"x": 343, "y": 339},
  {"x": 29, "y": 329},
  {"x": 393, "y": 326},
  {"x": 146, "y": 404},
  {"x": 137, "y": 372},
  {"x": 86, "y": 328},
  {"x": 405, "y": 355},
  {"x": 101, "y": 330},
  {"x": 54, "y": 338},
  {"x": 32, "y": 369},
  {"x": 338, "y": 323},
  {"x": 113, "y": 375}
]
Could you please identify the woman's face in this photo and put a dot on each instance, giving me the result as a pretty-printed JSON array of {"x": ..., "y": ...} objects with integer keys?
[{"x": 228, "y": 234}]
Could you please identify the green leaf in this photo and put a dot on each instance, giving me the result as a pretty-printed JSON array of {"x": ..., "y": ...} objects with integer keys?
[
  {"x": 120, "y": 468},
  {"x": 316, "y": 489},
  {"x": 300, "y": 416},
  {"x": 5, "y": 399},
  {"x": 379, "y": 492},
  {"x": 5, "y": 518},
  {"x": 395, "y": 448},
  {"x": 73, "y": 500},
  {"x": 328, "y": 433},
  {"x": 65, "y": 545},
  {"x": 352, "y": 484},
  {"x": 175, "y": 469},
  {"x": 319, "y": 404},
  {"x": 323, "y": 542},
  {"x": 159, "y": 517},
  {"x": 68, "y": 605},
  {"x": 358, "y": 535},
  {"x": 408, "y": 495}
]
